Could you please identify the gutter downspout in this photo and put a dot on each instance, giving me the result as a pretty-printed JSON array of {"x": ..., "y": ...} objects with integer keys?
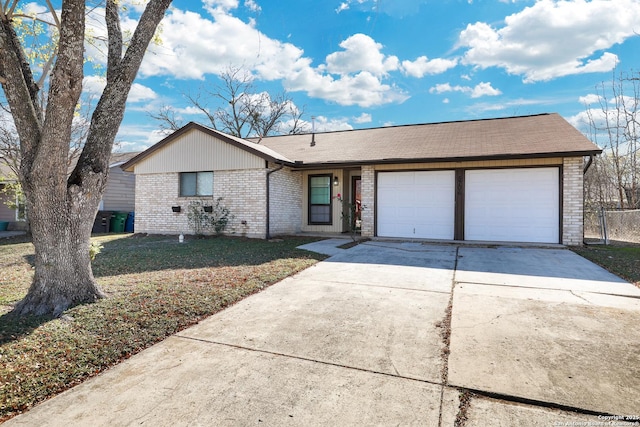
[
  {"x": 588, "y": 165},
  {"x": 268, "y": 225},
  {"x": 584, "y": 171}
]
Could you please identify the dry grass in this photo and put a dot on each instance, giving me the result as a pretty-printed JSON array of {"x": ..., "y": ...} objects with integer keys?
[{"x": 156, "y": 287}]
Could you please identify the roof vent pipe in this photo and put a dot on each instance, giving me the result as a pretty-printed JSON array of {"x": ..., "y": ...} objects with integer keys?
[{"x": 313, "y": 131}]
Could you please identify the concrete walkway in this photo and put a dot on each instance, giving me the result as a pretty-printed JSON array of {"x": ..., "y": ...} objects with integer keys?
[
  {"x": 390, "y": 334},
  {"x": 7, "y": 234}
]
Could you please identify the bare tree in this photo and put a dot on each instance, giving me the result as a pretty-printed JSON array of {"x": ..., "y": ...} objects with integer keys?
[
  {"x": 613, "y": 125},
  {"x": 241, "y": 110},
  {"x": 62, "y": 206}
]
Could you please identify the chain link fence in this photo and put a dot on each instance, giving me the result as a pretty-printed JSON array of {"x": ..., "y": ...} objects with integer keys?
[{"x": 605, "y": 225}]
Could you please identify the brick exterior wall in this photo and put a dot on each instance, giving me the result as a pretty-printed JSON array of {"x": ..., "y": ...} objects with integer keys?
[
  {"x": 243, "y": 192},
  {"x": 285, "y": 207},
  {"x": 572, "y": 201},
  {"x": 367, "y": 194}
]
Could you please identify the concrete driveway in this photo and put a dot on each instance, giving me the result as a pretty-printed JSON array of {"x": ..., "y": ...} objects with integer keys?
[{"x": 390, "y": 334}]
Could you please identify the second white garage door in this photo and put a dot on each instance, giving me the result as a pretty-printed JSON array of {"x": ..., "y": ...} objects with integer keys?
[
  {"x": 418, "y": 204},
  {"x": 512, "y": 205}
]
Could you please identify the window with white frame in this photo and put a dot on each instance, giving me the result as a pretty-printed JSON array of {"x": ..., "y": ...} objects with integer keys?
[{"x": 196, "y": 184}]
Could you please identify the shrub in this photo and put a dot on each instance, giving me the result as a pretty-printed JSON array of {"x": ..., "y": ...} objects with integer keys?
[{"x": 204, "y": 217}]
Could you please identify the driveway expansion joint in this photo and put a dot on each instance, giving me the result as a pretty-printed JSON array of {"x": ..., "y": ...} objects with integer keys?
[
  {"x": 307, "y": 359},
  {"x": 445, "y": 332},
  {"x": 368, "y": 285},
  {"x": 532, "y": 402}
]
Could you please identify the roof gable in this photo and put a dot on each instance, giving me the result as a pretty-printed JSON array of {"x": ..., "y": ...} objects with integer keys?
[{"x": 195, "y": 148}]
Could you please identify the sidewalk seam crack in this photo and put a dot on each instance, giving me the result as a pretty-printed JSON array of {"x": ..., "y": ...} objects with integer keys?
[{"x": 307, "y": 359}]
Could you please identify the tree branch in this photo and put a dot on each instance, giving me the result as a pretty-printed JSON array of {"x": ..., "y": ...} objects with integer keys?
[
  {"x": 53, "y": 13},
  {"x": 114, "y": 37},
  {"x": 13, "y": 8},
  {"x": 19, "y": 87},
  {"x": 109, "y": 111},
  {"x": 64, "y": 91},
  {"x": 33, "y": 18}
]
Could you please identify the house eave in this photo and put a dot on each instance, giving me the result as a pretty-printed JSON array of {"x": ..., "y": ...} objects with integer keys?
[{"x": 358, "y": 163}]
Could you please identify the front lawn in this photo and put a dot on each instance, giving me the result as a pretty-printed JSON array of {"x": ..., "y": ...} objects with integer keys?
[
  {"x": 620, "y": 259},
  {"x": 156, "y": 287}
]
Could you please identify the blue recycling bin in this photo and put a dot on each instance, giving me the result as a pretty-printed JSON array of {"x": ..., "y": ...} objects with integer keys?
[{"x": 128, "y": 225}]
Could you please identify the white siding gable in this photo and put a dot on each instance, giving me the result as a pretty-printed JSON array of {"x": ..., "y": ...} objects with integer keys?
[{"x": 197, "y": 151}]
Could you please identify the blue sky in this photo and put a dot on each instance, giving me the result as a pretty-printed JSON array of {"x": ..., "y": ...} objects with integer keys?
[{"x": 368, "y": 63}]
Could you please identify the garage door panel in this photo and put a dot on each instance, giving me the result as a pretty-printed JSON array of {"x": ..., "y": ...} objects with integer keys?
[
  {"x": 515, "y": 205},
  {"x": 416, "y": 204}
]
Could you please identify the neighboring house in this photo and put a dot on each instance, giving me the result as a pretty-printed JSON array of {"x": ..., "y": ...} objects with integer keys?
[
  {"x": 15, "y": 217},
  {"x": 119, "y": 194},
  {"x": 517, "y": 179}
]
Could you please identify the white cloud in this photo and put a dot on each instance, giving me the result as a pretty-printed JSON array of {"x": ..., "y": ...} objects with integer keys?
[
  {"x": 362, "y": 89},
  {"x": 361, "y": 53},
  {"x": 480, "y": 90},
  {"x": 324, "y": 124},
  {"x": 140, "y": 92},
  {"x": 484, "y": 89},
  {"x": 94, "y": 86},
  {"x": 553, "y": 38},
  {"x": 219, "y": 6},
  {"x": 423, "y": 65},
  {"x": 343, "y": 6},
  {"x": 363, "y": 118},
  {"x": 34, "y": 8},
  {"x": 591, "y": 98},
  {"x": 353, "y": 76},
  {"x": 189, "y": 111},
  {"x": 446, "y": 87},
  {"x": 252, "y": 5},
  {"x": 581, "y": 120},
  {"x": 138, "y": 138}
]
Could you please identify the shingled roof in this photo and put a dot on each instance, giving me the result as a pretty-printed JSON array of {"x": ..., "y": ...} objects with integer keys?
[{"x": 543, "y": 135}]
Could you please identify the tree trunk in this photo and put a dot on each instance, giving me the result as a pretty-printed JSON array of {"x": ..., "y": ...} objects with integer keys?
[
  {"x": 62, "y": 207},
  {"x": 61, "y": 236}
]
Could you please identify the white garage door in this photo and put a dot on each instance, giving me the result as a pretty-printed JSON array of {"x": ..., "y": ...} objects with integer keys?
[
  {"x": 512, "y": 205},
  {"x": 416, "y": 204}
]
